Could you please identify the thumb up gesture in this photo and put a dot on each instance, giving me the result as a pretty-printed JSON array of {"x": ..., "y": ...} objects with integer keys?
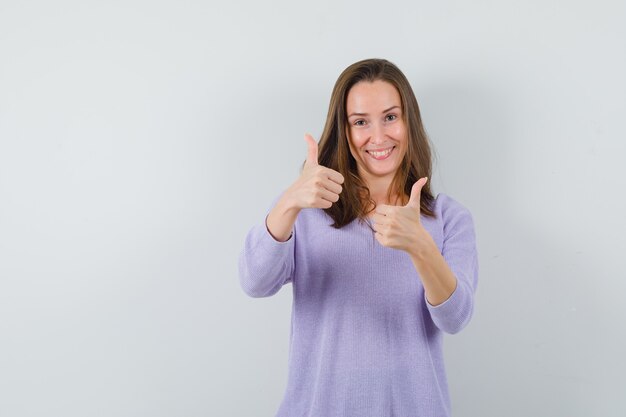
[
  {"x": 399, "y": 227},
  {"x": 317, "y": 186}
]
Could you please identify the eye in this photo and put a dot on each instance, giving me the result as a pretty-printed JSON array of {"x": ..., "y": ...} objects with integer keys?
[
  {"x": 391, "y": 117},
  {"x": 359, "y": 122}
]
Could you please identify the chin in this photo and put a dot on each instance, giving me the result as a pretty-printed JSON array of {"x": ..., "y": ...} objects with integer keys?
[{"x": 381, "y": 172}]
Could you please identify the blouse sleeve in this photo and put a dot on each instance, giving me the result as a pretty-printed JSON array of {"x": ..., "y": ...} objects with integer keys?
[
  {"x": 460, "y": 253},
  {"x": 265, "y": 264}
]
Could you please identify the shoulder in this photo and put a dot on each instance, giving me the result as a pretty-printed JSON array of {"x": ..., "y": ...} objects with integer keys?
[
  {"x": 446, "y": 204},
  {"x": 451, "y": 213}
]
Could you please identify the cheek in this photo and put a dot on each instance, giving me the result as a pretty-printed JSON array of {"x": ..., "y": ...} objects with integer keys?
[
  {"x": 357, "y": 139},
  {"x": 401, "y": 135}
]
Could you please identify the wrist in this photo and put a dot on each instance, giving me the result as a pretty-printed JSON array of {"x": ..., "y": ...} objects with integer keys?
[
  {"x": 281, "y": 219},
  {"x": 287, "y": 206},
  {"x": 424, "y": 248}
]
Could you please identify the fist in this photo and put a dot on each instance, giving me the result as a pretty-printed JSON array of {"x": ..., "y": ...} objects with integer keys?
[
  {"x": 317, "y": 186},
  {"x": 399, "y": 227}
]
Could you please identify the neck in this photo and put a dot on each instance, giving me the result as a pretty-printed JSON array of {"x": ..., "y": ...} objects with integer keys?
[{"x": 379, "y": 190}]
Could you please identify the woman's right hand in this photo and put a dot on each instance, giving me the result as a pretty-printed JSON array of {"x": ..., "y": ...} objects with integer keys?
[{"x": 317, "y": 187}]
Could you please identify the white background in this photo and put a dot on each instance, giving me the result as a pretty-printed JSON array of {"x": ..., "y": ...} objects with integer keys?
[{"x": 139, "y": 141}]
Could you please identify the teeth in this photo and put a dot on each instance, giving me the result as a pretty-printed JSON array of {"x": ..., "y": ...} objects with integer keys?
[{"x": 381, "y": 153}]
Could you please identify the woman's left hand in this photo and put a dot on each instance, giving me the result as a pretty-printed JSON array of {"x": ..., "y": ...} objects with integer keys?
[{"x": 399, "y": 227}]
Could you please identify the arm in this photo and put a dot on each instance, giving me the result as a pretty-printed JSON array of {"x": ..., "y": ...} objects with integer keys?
[
  {"x": 281, "y": 218},
  {"x": 267, "y": 260},
  {"x": 449, "y": 277},
  {"x": 438, "y": 279},
  {"x": 460, "y": 257},
  {"x": 265, "y": 264}
]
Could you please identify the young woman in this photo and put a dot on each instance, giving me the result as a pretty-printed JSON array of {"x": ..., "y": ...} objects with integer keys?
[{"x": 380, "y": 268}]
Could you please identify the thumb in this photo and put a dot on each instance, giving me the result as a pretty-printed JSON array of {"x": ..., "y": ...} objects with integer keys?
[
  {"x": 416, "y": 192},
  {"x": 311, "y": 158}
]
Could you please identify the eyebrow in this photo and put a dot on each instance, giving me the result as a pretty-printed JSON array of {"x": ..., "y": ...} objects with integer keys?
[{"x": 365, "y": 114}]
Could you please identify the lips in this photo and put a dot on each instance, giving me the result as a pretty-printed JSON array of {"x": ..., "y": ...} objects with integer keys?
[{"x": 380, "y": 154}]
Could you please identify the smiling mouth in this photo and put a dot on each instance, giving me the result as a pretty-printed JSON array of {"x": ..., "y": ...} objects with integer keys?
[{"x": 380, "y": 155}]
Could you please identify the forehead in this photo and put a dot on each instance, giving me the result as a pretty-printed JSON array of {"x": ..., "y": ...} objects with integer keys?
[{"x": 371, "y": 97}]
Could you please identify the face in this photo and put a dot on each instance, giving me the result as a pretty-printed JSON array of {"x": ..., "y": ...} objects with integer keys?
[{"x": 377, "y": 133}]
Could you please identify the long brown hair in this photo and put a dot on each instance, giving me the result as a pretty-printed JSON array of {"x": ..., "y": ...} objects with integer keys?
[{"x": 334, "y": 152}]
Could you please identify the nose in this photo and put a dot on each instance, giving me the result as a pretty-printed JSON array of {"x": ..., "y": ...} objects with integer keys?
[{"x": 378, "y": 134}]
